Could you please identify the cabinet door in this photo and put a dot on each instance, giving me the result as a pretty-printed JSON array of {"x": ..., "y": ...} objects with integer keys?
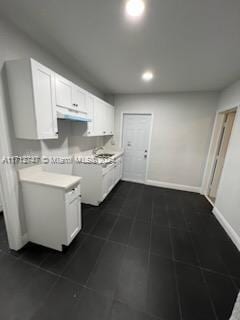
[
  {"x": 99, "y": 117},
  {"x": 109, "y": 119},
  {"x": 105, "y": 186},
  {"x": 79, "y": 99},
  {"x": 73, "y": 215},
  {"x": 63, "y": 92},
  {"x": 44, "y": 99},
  {"x": 108, "y": 182},
  {"x": 90, "y": 111},
  {"x": 112, "y": 119},
  {"x": 107, "y": 123}
]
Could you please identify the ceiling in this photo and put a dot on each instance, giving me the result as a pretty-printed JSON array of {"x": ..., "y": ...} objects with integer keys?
[{"x": 191, "y": 45}]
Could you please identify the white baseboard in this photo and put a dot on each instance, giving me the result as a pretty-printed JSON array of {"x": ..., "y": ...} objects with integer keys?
[
  {"x": 130, "y": 180},
  {"x": 173, "y": 186},
  {"x": 232, "y": 234}
]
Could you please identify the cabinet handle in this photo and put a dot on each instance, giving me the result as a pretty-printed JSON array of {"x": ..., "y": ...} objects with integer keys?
[{"x": 56, "y": 132}]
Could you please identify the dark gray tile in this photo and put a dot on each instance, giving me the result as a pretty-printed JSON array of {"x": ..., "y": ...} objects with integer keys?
[
  {"x": 230, "y": 256},
  {"x": 144, "y": 209},
  {"x": 104, "y": 276},
  {"x": 223, "y": 294},
  {"x": 61, "y": 303},
  {"x": 84, "y": 260},
  {"x": 183, "y": 248},
  {"x": 140, "y": 235},
  {"x": 57, "y": 261},
  {"x": 93, "y": 306},
  {"x": 176, "y": 219},
  {"x": 208, "y": 253},
  {"x": 121, "y": 230},
  {"x": 237, "y": 283},
  {"x": 104, "y": 225},
  {"x": 162, "y": 298},
  {"x": 160, "y": 216},
  {"x": 34, "y": 253},
  {"x": 121, "y": 311},
  {"x": 161, "y": 242},
  {"x": 132, "y": 281},
  {"x": 90, "y": 220},
  {"x": 194, "y": 298},
  {"x": 129, "y": 209},
  {"x": 26, "y": 291}
]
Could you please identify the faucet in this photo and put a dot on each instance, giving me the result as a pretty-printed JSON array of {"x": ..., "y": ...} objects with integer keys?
[{"x": 95, "y": 150}]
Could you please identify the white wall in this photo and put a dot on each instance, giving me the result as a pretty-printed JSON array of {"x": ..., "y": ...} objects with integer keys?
[
  {"x": 16, "y": 45},
  {"x": 228, "y": 196},
  {"x": 181, "y": 134}
]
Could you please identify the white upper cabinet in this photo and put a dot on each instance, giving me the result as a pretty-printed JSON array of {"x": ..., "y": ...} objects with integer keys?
[
  {"x": 70, "y": 96},
  {"x": 109, "y": 119},
  {"x": 99, "y": 117},
  {"x": 37, "y": 94},
  {"x": 32, "y": 95},
  {"x": 102, "y": 115},
  {"x": 90, "y": 111},
  {"x": 79, "y": 98},
  {"x": 63, "y": 92}
]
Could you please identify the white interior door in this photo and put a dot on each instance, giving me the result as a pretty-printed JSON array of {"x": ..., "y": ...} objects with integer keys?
[
  {"x": 136, "y": 130},
  {"x": 222, "y": 151}
]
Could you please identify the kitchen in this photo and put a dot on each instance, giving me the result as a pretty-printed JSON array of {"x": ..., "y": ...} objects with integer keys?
[{"x": 112, "y": 133}]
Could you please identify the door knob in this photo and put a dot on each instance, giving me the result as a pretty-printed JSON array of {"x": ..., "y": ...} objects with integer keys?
[{"x": 145, "y": 156}]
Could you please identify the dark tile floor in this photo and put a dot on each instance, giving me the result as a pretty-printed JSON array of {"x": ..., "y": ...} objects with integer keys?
[{"x": 145, "y": 253}]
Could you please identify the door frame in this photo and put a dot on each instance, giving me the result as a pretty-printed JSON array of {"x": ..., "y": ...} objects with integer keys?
[
  {"x": 213, "y": 150},
  {"x": 149, "y": 139}
]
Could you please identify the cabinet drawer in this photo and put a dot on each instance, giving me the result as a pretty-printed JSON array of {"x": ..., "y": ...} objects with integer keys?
[{"x": 72, "y": 194}]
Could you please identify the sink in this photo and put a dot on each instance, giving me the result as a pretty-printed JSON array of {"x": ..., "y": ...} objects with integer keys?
[{"x": 105, "y": 155}]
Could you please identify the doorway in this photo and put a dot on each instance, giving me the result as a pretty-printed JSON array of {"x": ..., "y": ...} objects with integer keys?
[
  {"x": 222, "y": 147},
  {"x": 136, "y": 144}
]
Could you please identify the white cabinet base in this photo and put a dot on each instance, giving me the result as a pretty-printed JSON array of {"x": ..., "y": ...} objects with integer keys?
[
  {"x": 97, "y": 182},
  {"x": 53, "y": 215}
]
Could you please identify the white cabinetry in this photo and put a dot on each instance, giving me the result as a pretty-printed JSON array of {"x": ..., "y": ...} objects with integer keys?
[
  {"x": 102, "y": 115},
  {"x": 32, "y": 95},
  {"x": 108, "y": 182},
  {"x": 39, "y": 95},
  {"x": 52, "y": 214},
  {"x": 97, "y": 181},
  {"x": 70, "y": 96},
  {"x": 63, "y": 92}
]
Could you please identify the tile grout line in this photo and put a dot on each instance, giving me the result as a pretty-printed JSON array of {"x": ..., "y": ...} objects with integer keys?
[
  {"x": 175, "y": 274},
  {"x": 149, "y": 250},
  {"x": 100, "y": 253},
  {"x": 204, "y": 280}
]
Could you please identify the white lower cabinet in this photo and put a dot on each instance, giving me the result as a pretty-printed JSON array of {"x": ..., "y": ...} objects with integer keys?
[
  {"x": 52, "y": 214},
  {"x": 73, "y": 214},
  {"x": 97, "y": 181},
  {"x": 108, "y": 182}
]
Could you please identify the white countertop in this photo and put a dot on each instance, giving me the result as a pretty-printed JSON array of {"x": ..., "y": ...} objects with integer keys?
[
  {"x": 36, "y": 175},
  {"x": 100, "y": 161}
]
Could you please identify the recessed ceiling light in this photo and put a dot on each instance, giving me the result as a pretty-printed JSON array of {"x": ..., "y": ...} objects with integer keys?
[
  {"x": 135, "y": 8},
  {"x": 147, "y": 76}
]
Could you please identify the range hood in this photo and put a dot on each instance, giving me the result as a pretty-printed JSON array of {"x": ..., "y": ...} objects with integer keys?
[{"x": 73, "y": 116}]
